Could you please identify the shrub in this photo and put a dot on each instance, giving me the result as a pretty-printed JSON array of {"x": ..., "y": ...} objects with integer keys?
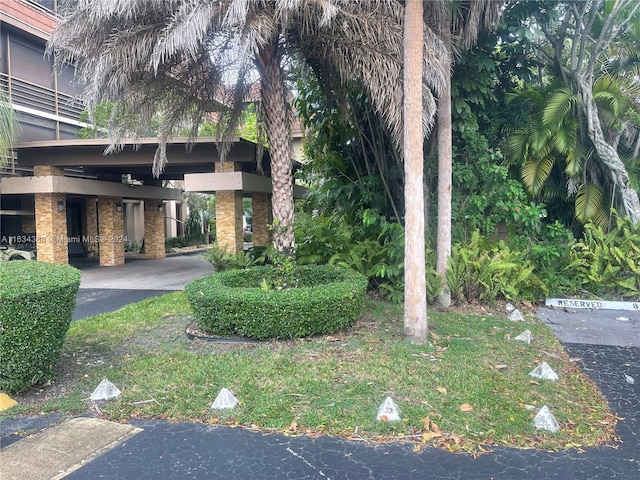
[
  {"x": 484, "y": 270},
  {"x": 608, "y": 263},
  {"x": 37, "y": 304},
  {"x": 175, "y": 242},
  {"x": 243, "y": 302}
]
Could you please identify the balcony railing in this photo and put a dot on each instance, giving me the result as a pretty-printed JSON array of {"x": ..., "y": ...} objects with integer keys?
[{"x": 41, "y": 99}]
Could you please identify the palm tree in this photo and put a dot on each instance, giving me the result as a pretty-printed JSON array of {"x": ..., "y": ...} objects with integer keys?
[
  {"x": 457, "y": 25},
  {"x": 415, "y": 295},
  {"x": 179, "y": 56},
  {"x": 8, "y": 127}
]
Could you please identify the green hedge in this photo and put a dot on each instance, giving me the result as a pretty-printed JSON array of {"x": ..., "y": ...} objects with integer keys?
[
  {"x": 238, "y": 302},
  {"x": 36, "y": 304}
]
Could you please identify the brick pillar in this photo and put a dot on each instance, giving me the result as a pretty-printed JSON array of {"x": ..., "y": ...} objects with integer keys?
[
  {"x": 229, "y": 234},
  {"x": 28, "y": 204},
  {"x": 91, "y": 227},
  {"x": 46, "y": 170},
  {"x": 111, "y": 232},
  {"x": 51, "y": 228},
  {"x": 154, "y": 229},
  {"x": 262, "y": 219}
]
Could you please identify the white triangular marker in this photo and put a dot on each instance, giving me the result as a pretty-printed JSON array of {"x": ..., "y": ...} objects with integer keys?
[
  {"x": 545, "y": 420},
  {"x": 388, "y": 411},
  {"x": 516, "y": 316},
  {"x": 525, "y": 337},
  {"x": 544, "y": 372},
  {"x": 224, "y": 400},
  {"x": 509, "y": 307},
  {"x": 105, "y": 391}
]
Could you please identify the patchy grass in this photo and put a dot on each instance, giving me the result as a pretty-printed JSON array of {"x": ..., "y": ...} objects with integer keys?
[{"x": 333, "y": 385}]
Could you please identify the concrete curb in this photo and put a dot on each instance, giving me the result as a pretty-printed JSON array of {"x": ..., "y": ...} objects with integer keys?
[{"x": 62, "y": 449}]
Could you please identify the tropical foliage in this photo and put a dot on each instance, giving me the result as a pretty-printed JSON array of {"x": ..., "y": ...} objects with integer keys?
[{"x": 8, "y": 127}]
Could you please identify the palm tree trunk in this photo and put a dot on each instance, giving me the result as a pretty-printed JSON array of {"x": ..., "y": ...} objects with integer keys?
[
  {"x": 415, "y": 293},
  {"x": 443, "y": 248},
  {"x": 278, "y": 127}
]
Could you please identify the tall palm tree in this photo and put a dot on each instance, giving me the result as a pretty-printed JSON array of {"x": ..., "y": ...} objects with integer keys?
[
  {"x": 457, "y": 24},
  {"x": 179, "y": 56},
  {"x": 415, "y": 298}
]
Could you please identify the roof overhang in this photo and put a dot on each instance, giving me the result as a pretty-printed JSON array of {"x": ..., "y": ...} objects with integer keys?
[
  {"x": 81, "y": 186},
  {"x": 233, "y": 181}
]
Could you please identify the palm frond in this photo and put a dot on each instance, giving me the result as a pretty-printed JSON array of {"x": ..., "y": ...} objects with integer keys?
[
  {"x": 589, "y": 203},
  {"x": 535, "y": 172},
  {"x": 558, "y": 107}
]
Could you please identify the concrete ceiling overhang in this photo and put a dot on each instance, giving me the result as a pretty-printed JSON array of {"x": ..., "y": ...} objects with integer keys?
[
  {"x": 136, "y": 156},
  {"x": 84, "y": 187},
  {"x": 233, "y": 181}
]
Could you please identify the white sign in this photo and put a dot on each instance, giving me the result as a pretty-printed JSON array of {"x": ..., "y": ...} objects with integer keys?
[{"x": 592, "y": 304}]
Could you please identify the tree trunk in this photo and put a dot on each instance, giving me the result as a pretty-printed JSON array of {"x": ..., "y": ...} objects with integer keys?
[
  {"x": 415, "y": 292},
  {"x": 443, "y": 248},
  {"x": 609, "y": 155},
  {"x": 278, "y": 127}
]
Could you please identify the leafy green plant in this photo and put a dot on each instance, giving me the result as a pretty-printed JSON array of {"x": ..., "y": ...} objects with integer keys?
[
  {"x": 193, "y": 228},
  {"x": 222, "y": 259},
  {"x": 608, "y": 262},
  {"x": 134, "y": 246},
  {"x": 484, "y": 270},
  {"x": 175, "y": 242},
  {"x": 240, "y": 302},
  {"x": 38, "y": 300}
]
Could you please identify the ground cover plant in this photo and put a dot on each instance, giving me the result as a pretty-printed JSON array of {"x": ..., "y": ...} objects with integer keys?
[{"x": 467, "y": 390}]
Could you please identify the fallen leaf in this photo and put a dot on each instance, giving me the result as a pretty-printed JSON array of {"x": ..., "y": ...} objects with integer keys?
[
  {"x": 384, "y": 418},
  {"x": 575, "y": 359},
  {"x": 434, "y": 335},
  {"x": 430, "y": 435},
  {"x": 465, "y": 407},
  {"x": 442, "y": 390},
  {"x": 294, "y": 426},
  {"x": 500, "y": 367}
]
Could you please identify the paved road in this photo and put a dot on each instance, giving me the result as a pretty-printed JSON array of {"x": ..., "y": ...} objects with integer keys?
[
  {"x": 608, "y": 349},
  {"x": 106, "y": 289}
]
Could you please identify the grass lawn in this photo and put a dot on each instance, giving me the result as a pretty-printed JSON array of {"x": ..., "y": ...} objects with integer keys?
[{"x": 468, "y": 389}]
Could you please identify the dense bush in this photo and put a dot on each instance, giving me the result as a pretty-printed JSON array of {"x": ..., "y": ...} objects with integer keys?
[
  {"x": 38, "y": 300},
  {"x": 608, "y": 262},
  {"x": 486, "y": 270},
  {"x": 175, "y": 242},
  {"x": 265, "y": 302}
]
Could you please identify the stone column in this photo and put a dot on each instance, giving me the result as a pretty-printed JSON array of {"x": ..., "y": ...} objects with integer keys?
[
  {"x": 51, "y": 227},
  {"x": 229, "y": 234},
  {"x": 46, "y": 170},
  {"x": 154, "y": 229},
  {"x": 111, "y": 232},
  {"x": 91, "y": 208},
  {"x": 262, "y": 219},
  {"x": 51, "y": 220}
]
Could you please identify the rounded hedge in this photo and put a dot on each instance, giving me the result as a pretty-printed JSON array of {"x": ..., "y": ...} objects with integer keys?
[
  {"x": 36, "y": 304},
  {"x": 238, "y": 302}
]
